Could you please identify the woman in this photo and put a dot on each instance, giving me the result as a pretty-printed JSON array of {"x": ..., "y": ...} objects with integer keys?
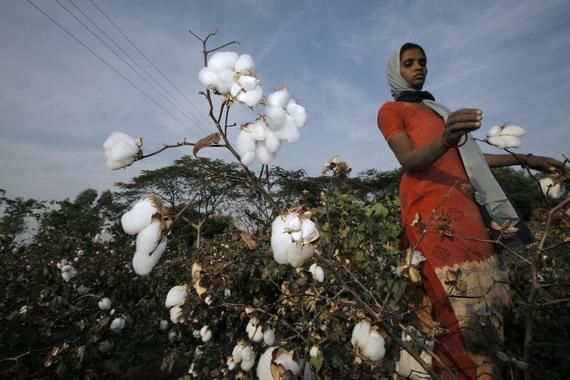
[{"x": 445, "y": 176}]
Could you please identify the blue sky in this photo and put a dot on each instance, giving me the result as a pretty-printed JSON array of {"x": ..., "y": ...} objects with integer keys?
[{"x": 58, "y": 102}]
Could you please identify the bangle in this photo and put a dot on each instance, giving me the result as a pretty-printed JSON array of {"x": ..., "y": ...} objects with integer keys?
[
  {"x": 445, "y": 142},
  {"x": 464, "y": 141}
]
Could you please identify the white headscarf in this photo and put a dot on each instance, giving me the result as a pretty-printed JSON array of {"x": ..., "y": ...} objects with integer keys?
[{"x": 488, "y": 192}]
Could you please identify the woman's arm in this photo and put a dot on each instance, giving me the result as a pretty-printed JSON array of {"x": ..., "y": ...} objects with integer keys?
[
  {"x": 541, "y": 163},
  {"x": 413, "y": 159}
]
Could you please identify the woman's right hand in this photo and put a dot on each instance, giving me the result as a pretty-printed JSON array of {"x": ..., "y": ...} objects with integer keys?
[{"x": 461, "y": 122}]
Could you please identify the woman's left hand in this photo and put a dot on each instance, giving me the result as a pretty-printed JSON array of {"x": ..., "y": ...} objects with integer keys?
[{"x": 543, "y": 163}]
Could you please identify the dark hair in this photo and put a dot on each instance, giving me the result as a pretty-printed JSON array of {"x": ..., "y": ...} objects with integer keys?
[{"x": 410, "y": 45}]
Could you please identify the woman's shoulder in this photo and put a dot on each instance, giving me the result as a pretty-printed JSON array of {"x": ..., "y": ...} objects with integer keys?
[{"x": 392, "y": 106}]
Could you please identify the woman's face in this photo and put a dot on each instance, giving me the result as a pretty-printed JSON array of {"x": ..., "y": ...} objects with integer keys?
[{"x": 413, "y": 67}]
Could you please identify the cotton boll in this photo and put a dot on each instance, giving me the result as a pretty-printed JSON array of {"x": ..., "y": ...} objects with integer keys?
[
  {"x": 115, "y": 165},
  {"x": 60, "y": 264},
  {"x": 83, "y": 290},
  {"x": 208, "y": 77},
  {"x": 269, "y": 337},
  {"x": 235, "y": 90},
  {"x": 417, "y": 258},
  {"x": 280, "y": 241},
  {"x": 176, "y": 314},
  {"x": 494, "y": 131},
  {"x": 272, "y": 142},
  {"x": 248, "y": 82},
  {"x": 551, "y": 188},
  {"x": 68, "y": 272},
  {"x": 251, "y": 97},
  {"x": 298, "y": 254},
  {"x": 244, "y": 143},
  {"x": 244, "y": 64},
  {"x": 511, "y": 141},
  {"x": 231, "y": 363},
  {"x": 278, "y": 98},
  {"x": 123, "y": 150},
  {"x": 176, "y": 296},
  {"x": 227, "y": 292},
  {"x": 117, "y": 324},
  {"x": 408, "y": 367},
  {"x": 497, "y": 141},
  {"x": 254, "y": 331},
  {"x": 360, "y": 333},
  {"x": 298, "y": 113},
  {"x": 314, "y": 351},
  {"x": 258, "y": 130},
  {"x": 263, "y": 370},
  {"x": 149, "y": 238},
  {"x": 374, "y": 348},
  {"x": 225, "y": 81},
  {"x": 236, "y": 352},
  {"x": 205, "y": 334},
  {"x": 144, "y": 262},
  {"x": 275, "y": 117},
  {"x": 248, "y": 158},
  {"x": 293, "y": 222},
  {"x": 139, "y": 216},
  {"x": 105, "y": 346},
  {"x": 263, "y": 154},
  {"x": 317, "y": 272},
  {"x": 223, "y": 60},
  {"x": 104, "y": 304},
  {"x": 247, "y": 358},
  {"x": 513, "y": 130},
  {"x": 285, "y": 358},
  {"x": 308, "y": 230},
  {"x": 289, "y": 132}
]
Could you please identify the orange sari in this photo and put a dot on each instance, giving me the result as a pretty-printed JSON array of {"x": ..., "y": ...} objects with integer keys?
[{"x": 461, "y": 274}]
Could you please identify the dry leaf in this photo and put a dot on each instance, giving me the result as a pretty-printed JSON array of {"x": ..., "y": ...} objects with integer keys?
[
  {"x": 444, "y": 226},
  {"x": 205, "y": 142},
  {"x": 196, "y": 275},
  {"x": 417, "y": 220},
  {"x": 454, "y": 279},
  {"x": 248, "y": 240},
  {"x": 466, "y": 188}
]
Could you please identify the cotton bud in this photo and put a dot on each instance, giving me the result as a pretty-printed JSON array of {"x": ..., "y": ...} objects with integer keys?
[
  {"x": 205, "y": 334},
  {"x": 244, "y": 64},
  {"x": 176, "y": 314},
  {"x": 105, "y": 346},
  {"x": 104, "y": 304},
  {"x": 68, "y": 272},
  {"x": 552, "y": 188},
  {"x": 176, "y": 296},
  {"x": 254, "y": 330},
  {"x": 276, "y": 362},
  {"x": 269, "y": 337},
  {"x": 121, "y": 150},
  {"x": 278, "y": 98},
  {"x": 317, "y": 272},
  {"x": 140, "y": 214},
  {"x": 368, "y": 341},
  {"x": 117, "y": 324},
  {"x": 163, "y": 325}
]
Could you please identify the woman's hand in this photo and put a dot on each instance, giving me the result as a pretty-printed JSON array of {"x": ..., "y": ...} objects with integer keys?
[
  {"x": 461, "y": 122},
  {"x": 543, "y": 163}
]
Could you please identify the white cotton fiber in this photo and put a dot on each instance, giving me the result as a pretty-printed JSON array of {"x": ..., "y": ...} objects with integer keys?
[
  {"x": 123, "y": 150},
  {"x": 511, "y": 141},
  {"x": 264, "y": 365},
  {"x": 225, "y": 81},
  {"x": 374, "y": 348},
  {"x": 494, "y": 131},
  {"x": 115, "y": 165},
  {"x": 513, "y": 130},
  {"x": 139, "y": 216},
  {"x": 148, "y": 238},
  {"x": 289, "y": 132},
  {"x": 263, "y": 154},
  {"x": 223, "y": 60},
  {"x": 551, "y": 188},
  {"x": 497, "y": 141},
  {"x": 285, "y": 358},
  {"x": 408, "y": 367},
  {"x": 104, "y": 304},
  {"x": 235, "y": 90},
  {"x": 248, "y": 82},
  {"x": 280, "y": 241},
  {"x": 258, "y": 130},
  {"x": 248, "y": 158},
  {"x": 298, "y": 113},
  {"x": 275, "y": 117},
  {"x": 244, "y": 64},
  {"x": 176, "y": 296},
  {"x": 272, "y": 142},
  {"x": 144, "y": 263},
  {"x": 278, "y": 98},
  {"x": 176, "y": 314},
  {"x": 244, "y": 143},
  {"x": 298, "y": 254},
  {"x": 208, "y": 77},
  {"x": 118, "y": 324},
  {"x": 269, "y": 336},
  {"x": 252, "y": 97}
]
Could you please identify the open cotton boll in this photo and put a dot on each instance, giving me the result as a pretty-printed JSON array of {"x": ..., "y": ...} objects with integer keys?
[
  {"x": 251, "y": 97},
  {"x": 247, "y": 358},
  {"x": 374, "y": 348},
  {"x": 408, "y": 367},
  {"x": 551, "y": 188},
  {"x": 176, "y": 314},
  {"x": 143, "y": 263},
  {"x": 118, "y": 137},
  {"x": 248, "y": 82},
  {"x": 513, "y": 130},
  {"x": 123, "y": 150},
  {"x": 244, "y": 143},
  {"x": 298, "y": 254},
  {"x": 205, "y": 334},
  {"x": 258, "y": 130},
  {"x": 149, "y": 238},
  {"x": 272, "y": 142},
  {"x": 235, "y": 90},
  {"x": 417, "y": 258},
  {"x": 280, "y": 241},
  {"x": 314, "y": 351},
  {"x": 298, "y": 113},
  {"x": 308, "y": 230},
  {"x": 139, "y": 216},
  {"x": 63, "y": 262},
  {"x": 208, "y": 77},
  {"x": 116, "y": 165},
  {"x": 104, "y": 304},
  {"x": 176, "y": 296},
  {"x": 118, "y": 324},
  {"x": 248, "y": 158},
  {"x": 494, "y": 131},
  {"x": 275, "y": 117},
  {"x": 244, "y": 64},
  {"x": 293, "y": 222},
  {"x": 285, "y": 358},
  {"x": 225, "y": 81},
  {"x": 278, "y": 98},
  {"x": 511, "y": 141},
  {"x": 263, "y": 154},
  {"x": 223, "y": 60},
  {"x": 289, "y": 132},
  {"x": 263, "y": 370},
  {"x": 68, "y": 272},
  {"x": 269, "y": 336},
  {"x": 498, "y": 141},
  {"x": 360, "y": 333},
  {"x": 254, "y": 330},
  {"x": 317, "y": 272}
]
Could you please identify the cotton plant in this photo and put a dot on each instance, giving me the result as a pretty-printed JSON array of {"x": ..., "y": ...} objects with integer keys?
[
  {"x": 292, "y": 235},
  {"x": 147, "y": 219},
  {"x": 505, "y": 136},
  {"x": 552, "y": 187},
  {"x": 104, "y": 304},
  {"x": 367, "y": 341},
  {"x": 317, "y": 272},
  {"x": 175, "y": 300},
  {"x": 121, "y": 150},
  {"x": 407, "y": 366},
  {"x": 278, "y": 363}
]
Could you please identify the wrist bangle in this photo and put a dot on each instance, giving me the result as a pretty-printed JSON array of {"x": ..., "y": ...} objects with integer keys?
[
  {"x": 464, "y": 141},
  {"x": 445, "y": 142}
]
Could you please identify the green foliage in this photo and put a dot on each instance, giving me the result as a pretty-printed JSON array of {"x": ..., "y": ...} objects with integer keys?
[{"x": 522, "y": 189}]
